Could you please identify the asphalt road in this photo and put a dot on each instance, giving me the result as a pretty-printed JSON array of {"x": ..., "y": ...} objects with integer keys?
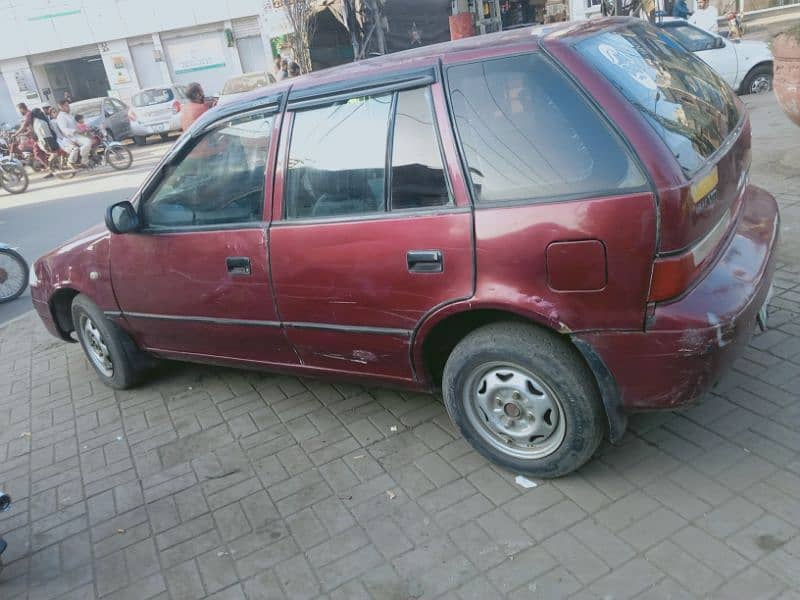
[{"x": 52, "y": 211}]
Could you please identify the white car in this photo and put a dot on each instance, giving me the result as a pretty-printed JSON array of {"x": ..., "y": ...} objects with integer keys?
[
  {"x": 156, "y": 111},
  {"x": 746, "y": 65}
]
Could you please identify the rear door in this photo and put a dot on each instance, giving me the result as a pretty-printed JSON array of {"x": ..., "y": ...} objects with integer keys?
[{"x": 372, "y": 233}]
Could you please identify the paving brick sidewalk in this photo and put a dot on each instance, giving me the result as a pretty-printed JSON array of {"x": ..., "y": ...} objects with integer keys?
[{"x": 226, "y": 484}]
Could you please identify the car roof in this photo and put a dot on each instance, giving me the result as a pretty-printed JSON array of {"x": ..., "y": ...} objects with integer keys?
[{"x": 427, "y": 56}]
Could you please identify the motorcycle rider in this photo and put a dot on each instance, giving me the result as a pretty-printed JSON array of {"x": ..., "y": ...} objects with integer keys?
[
  {"x": 46, "y": 139},
  {"x": 66, "y": 145},
  {"x": 27, "y": 120},
  {"x": 69, "y": 127}
]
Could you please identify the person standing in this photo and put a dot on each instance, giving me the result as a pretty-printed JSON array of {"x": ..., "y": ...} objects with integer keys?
[
  {"x": 294, "y": 70},
  {"x": 284, "y": 72},
  {"x": 705, "y": 17},
  {"x": 69, "y": 127},
  {"x": 276, "y": 66},
  {"x": 191, "y": 111}
]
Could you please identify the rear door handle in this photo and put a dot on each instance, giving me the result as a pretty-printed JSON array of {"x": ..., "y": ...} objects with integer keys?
[
  {"x": 238, "y": 265},
  {"x": 425, "y": 261}
]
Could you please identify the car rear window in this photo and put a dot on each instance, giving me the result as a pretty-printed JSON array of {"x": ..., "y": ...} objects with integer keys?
[
  {"x": 529, "y": 135},
  {"x": 686, "y": 102},
  {"x": 151, "y": 97}
]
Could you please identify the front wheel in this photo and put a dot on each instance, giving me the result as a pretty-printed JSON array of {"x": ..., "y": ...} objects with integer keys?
[
  {"x": 111, "y": 352},
  {"x": 140, "y": 140},
  {"x": 14, "y": 179},
  {"x": 758, "y": 81},
  {"x": 13, "y": 275},
  {"x": 119, "y": 157},
  {"x": 523, "y": 398}
]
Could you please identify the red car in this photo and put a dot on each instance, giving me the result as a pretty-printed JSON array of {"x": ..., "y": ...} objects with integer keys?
[{"x": 553, "y": 226}]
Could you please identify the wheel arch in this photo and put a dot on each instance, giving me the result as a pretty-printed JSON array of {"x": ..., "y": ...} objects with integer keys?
[
  {"x": 766, "y": 62},
  {"x": 61, "y": 308},
  {"x": 437, "y": 337}
]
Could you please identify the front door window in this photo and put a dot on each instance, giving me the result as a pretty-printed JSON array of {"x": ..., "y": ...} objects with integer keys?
[{"x": 219, "y": 181}]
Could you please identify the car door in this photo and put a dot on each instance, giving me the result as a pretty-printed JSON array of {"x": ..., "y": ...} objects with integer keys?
[
  {"x": 120, "y": 123},
  {"x": 371, "y": 233},
  {"x": 194, "y": 282}
]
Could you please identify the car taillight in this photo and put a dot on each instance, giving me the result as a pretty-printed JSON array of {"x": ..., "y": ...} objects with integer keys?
[
  {"x": 176, "y": 107},
  {"x": 131, "y": 115},
  {"x": 673, "y": 275}
]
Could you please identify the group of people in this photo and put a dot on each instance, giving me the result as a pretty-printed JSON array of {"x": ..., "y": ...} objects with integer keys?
[
  {"x": 54, "y": 130},
  {"x": 705, "y": 17},
  {"x": 285, "y": 69}
]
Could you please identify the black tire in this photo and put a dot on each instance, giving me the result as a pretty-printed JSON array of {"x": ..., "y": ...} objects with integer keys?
[
  {"x": 550, "y": 368},
  {"x": 140, "y": 140},
  {"x": 164, "y": 136},
  {"x": 119, "y": 157},
  {"x": 20, "y": 179},
  {"x": 127, "y": 362},
  {"x": 16, "y": 286},
  {"x": 758, "y": 80}
]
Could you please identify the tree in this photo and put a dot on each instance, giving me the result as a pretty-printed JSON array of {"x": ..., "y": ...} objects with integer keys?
[{"x": 301, "y": 15}]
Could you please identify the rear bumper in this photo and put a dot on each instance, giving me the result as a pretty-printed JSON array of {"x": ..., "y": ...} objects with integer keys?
[
  {"x": 156, "y": 127},
  {"x": 691, "y": 341}
]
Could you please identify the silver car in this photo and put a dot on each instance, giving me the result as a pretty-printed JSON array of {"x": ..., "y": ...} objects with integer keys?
[
  {"x": 156, "y": 111},
  {"x": 108, "y": 114},
  {"x": 241, "y": 84}
]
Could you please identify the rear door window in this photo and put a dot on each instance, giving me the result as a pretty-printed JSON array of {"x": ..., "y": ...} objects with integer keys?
[
  {"x": 528, "y": 134},
  {"x": 691, "y": 108}
]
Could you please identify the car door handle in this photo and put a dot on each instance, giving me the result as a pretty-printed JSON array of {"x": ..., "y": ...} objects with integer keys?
[
  {"x": 238, "y": 265},
  {"x": 425, "y": 261}
]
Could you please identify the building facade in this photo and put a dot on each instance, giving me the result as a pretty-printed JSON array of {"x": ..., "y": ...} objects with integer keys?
[{"x": 115, "y": 47}]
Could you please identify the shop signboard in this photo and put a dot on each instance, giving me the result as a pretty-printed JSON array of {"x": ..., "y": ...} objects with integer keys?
[{"x": 196, "y": 54}]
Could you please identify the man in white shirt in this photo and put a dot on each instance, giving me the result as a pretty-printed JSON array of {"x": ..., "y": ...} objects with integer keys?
[
  {"x": 68, "y": 126},
  {"x": 705, "y": 17}
]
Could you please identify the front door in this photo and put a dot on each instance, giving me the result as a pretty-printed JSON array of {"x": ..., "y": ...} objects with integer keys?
[
  {"x": 370, "y": 237},
  {"x": 195, "y": 281}
]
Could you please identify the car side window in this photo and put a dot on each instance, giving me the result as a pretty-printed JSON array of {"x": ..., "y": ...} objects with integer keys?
[
  {"x": 337, "y": 159},
  {"x": 108, "y": 108},
  {"x": 528, "y": 135},
  {"x": 220, "y": 180},
  {"x": 418, "y": 177},
  {"x": 692, "y": 38}
]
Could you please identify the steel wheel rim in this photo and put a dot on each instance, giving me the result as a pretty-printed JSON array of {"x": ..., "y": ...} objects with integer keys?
[
  {"x": 96, "y": 347},
  {"x": 12, "y": 276},
  {"x": 760, "y": 84},
  {"x": 514, "y": 411}
]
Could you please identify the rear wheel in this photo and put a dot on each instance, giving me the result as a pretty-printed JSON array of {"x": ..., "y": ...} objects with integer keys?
[
  {"x": 524, "y": 399},
  {"x": 139, "y": 140},
  {"x": 111, "y": 352},
  {"x": 14, "y": 179},
  {"x": 164, "y": 137},
  {"x": 758, "y": 80},
  {"x": 119, "y": 157}
]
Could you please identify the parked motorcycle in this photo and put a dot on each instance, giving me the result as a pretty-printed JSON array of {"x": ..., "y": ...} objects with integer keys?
[
  {"x": 5, "y": 504},
  {"x": 13, "y": 273},
  {"x": 13, "y": 177}
]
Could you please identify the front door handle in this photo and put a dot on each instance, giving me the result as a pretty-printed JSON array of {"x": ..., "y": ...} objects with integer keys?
[
  {"x": 238, "y": 265},
  {"x": 425, "y": 261}
]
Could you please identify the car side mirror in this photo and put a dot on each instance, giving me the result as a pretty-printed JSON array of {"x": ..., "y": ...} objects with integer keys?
[
  {"x": 122, "y": 218},
  {"x": 719, "y": 43}
]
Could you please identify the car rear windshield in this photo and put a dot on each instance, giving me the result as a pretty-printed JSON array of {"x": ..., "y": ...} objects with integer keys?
[
  {"x": 151, "y": 97},
  {"x": 686, "y": 102},
  {"x": 245, "y": 83}
]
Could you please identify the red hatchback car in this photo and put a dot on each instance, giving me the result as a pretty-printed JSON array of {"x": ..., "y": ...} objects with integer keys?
[{"x": 555, "y": 226}]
